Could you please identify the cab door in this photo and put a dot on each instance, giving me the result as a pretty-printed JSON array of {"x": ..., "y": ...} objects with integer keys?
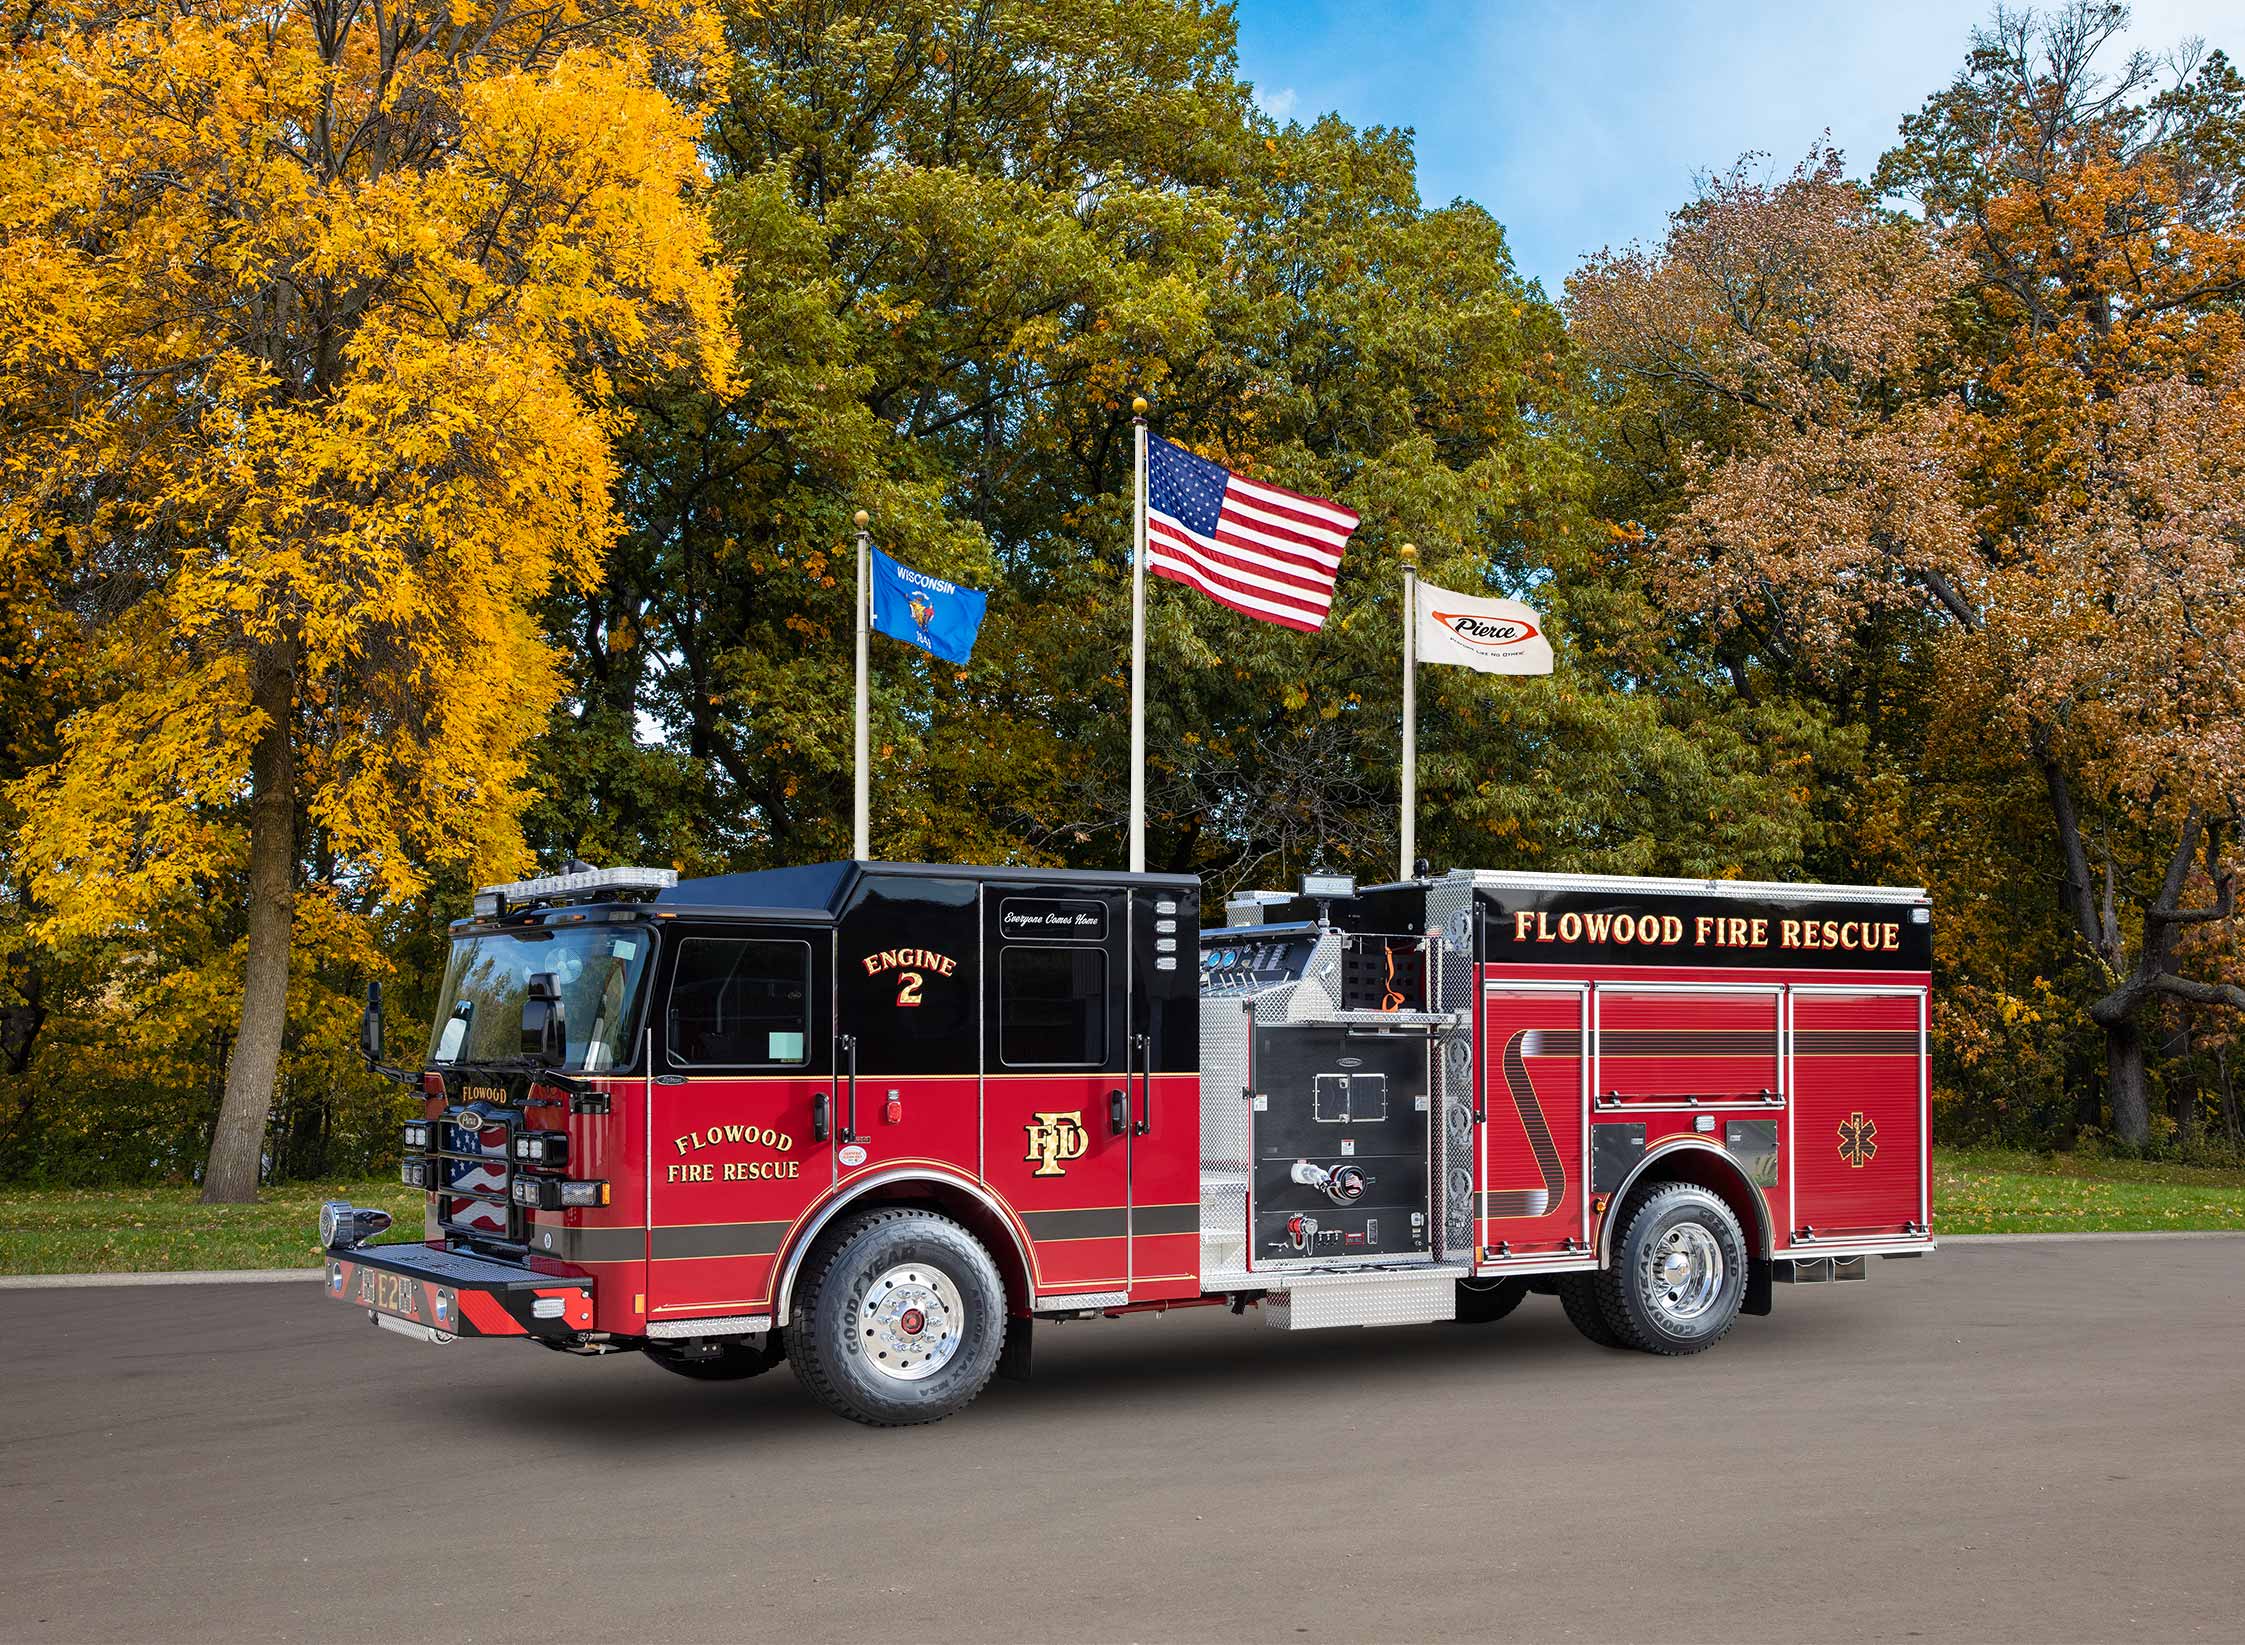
[
  {"x": 1061, "y": 1098},
  {"x": 743, "y": 1066}
]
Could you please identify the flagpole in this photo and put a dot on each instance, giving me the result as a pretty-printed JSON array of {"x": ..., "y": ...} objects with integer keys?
[
  {"x": 1138, "y": 645},
  {"x": 1410, "y": 558},
  {"x": 861, "y": 834}
]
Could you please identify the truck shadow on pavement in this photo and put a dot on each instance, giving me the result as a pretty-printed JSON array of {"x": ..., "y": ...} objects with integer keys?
[{"x": 1085, "y": 1369}]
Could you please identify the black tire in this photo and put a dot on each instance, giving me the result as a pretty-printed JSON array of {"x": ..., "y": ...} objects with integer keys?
[
  {"x": 838, "y": 1338},
  {"x": 1629, "y": 1294},
  {"x": 1485, "y": 1301},
  {"x": 1579, "y": 1297},
  {"x": 736, "y": 1359}
]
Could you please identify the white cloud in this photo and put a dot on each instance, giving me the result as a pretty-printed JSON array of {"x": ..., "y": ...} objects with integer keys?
[{"x": 1279, "y": 104}]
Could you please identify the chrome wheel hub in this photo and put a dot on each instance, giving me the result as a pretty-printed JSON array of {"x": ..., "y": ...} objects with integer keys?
[
  {"x": 909, "y": 1322},
  {"x": 1683, "y": 1272}
]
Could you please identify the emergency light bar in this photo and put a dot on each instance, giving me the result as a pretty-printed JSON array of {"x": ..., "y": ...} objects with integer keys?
[{"x": 497, "y": 899}]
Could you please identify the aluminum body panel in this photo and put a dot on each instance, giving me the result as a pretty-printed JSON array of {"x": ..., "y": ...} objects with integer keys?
[{"x": 1745, "y": 890}]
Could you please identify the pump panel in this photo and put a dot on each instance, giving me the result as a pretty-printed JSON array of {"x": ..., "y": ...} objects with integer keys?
[{"x": 1340, "y": 1129}]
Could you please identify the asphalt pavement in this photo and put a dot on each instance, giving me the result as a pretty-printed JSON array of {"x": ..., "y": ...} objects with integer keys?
[{"x": 2036, "y": 1442}]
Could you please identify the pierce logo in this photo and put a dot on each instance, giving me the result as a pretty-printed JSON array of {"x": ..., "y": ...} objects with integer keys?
[
  {"x": 1486, "y": 633},
  {"x": 1055, "y": 1139}
]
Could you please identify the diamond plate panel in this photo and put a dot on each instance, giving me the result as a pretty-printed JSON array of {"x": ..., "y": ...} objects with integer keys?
[
  {"x": 1449, "y": 919},
  {"x": 1084, "y": 1299},
  {"x": 732, "y": 1325},
  {"x": 1226, "y": 1136},
  {"x": 1375, "y": 1299}
]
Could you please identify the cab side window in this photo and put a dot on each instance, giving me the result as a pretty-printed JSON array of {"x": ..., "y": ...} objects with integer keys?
[
  {"x": 1052, "y": 1007},
  {"x": 740, "y": 1002}
]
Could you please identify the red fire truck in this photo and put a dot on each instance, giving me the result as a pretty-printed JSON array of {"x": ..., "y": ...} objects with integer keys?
[{"x": 883, "y": 1120}]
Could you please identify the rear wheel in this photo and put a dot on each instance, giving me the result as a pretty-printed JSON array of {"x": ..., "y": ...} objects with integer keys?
[
  {"x": 728, "y": 1359},
  {"x": 1585, "y": 1312},
  {"x": 901, "y": 1321},
  {"x": 1485, "y": 1301},
  {"x": 1679, "y": 1272}
]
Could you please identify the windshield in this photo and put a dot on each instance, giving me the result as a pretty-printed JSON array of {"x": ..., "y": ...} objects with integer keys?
[{"x": 479, "y": 1011}]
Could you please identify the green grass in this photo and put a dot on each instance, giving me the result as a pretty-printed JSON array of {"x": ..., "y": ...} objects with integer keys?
[
  {"x": 146, "y": 1230},
  {"x": 149, "y": 1230},
  {"x": 1987, "y": 1191}
]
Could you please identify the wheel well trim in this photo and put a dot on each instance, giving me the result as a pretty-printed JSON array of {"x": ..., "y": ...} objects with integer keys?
[
  {"x": 1682, "y": 1145},
  {"x": 784, "y": 1299}
]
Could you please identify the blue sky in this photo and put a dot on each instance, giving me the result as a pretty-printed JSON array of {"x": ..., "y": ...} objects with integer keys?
[{"x": 1581, "y": 126}]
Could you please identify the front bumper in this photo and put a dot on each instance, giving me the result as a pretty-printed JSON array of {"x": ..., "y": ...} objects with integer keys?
[{"x": 444, "y": 1294}]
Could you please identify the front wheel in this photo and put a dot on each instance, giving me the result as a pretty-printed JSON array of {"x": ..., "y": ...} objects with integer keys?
[
  {"x": 902, "y": 1319},
  {"x": 1679, "y": 1272}
]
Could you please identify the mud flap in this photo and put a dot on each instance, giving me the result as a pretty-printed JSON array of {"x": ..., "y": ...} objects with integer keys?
[
  {"x": 1013, "y": 1358},
  {"x": 1757, "y": 1287}
]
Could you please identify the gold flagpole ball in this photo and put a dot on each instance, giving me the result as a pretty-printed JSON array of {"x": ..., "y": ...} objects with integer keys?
[
  {"x": 1408, "y": 552},
  {"x": 862, "y": 517},
  {"x": 1138, "y": 406}
]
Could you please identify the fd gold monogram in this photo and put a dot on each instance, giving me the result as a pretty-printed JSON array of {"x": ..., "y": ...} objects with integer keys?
[{"x": 1055, "y": 1139}]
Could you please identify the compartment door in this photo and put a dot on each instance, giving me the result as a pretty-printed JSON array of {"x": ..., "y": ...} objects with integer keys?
[
  {"x": 1858, "y": 1142},
  {"x": 1667, "y": 1045},
  {"x": 1533, "y": 1195}
]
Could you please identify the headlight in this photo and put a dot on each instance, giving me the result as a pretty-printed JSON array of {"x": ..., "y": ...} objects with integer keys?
[
  {"x": 417, "y": 1134},
  {"x": 552, "y": 1194},
  {"x": 414, "y": 1173},
  {"x": 547, "y": 1148}
]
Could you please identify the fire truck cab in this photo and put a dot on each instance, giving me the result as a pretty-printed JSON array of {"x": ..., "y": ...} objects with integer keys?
[{"x": 881, "y": 1120}]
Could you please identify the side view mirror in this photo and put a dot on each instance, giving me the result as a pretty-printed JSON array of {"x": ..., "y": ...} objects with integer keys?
[
  {"x": 545, "y": 1033},
  {"x": 370, "y": 1026}
]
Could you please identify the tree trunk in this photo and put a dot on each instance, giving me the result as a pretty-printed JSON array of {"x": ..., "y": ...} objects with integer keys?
[
  {"x": 2229, "y": 1095},
  {"x": 2124, "y": 1082},
  {"x": 231, "y": 1175},
  {"x": 2183, "y": 1086}
]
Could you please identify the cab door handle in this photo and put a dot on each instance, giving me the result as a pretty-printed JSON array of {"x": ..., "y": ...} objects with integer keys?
[
  {"x": 821, "y": 1126},
  {"x": 1118, "y": 1112},
  {"x": 1144, "y": 1059}
]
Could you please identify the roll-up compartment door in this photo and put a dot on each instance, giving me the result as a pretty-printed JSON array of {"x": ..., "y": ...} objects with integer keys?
[
  {"x": 1663, "y": 1045},
  {"x": 1858, "y": 1140}
]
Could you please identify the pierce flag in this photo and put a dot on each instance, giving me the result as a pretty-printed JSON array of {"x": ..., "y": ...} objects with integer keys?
[
  {"x": 1493, "y": 636},
  {"x": 939, "y": 617}
]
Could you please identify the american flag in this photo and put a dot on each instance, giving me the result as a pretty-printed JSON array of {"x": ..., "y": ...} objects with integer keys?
[{"x": 1257, "y": 548}]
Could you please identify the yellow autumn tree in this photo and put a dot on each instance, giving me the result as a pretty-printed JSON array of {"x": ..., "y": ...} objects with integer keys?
[{"x": 314, "y": 320}]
